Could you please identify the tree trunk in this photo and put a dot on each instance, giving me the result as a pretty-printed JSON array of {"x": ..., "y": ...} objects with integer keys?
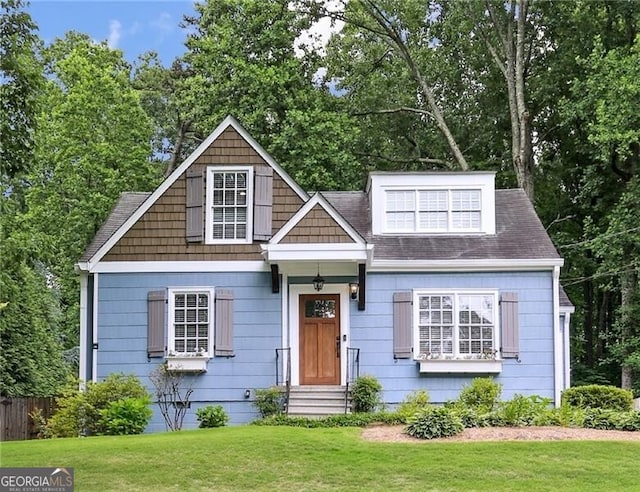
[
  {"x": 587, "y": 324},
  {"x": 512, "y": 65},
  {"x": 628, "y": 285}
]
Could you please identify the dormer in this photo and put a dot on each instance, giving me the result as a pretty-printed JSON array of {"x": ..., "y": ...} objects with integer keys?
[{"x": 432, "y": 203}]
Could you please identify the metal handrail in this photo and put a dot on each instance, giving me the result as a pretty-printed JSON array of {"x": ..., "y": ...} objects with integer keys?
[
  {"x": 353, "y": 372},
  {"x": 286, "y": 376}
]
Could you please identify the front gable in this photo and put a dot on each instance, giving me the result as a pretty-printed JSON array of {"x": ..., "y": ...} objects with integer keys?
[
  {"x": 174, "y": 224},
  {"x": 317, "y": 226}
]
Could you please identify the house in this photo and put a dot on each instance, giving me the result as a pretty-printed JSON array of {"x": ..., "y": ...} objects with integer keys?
[{"x": 231, "y": 271}]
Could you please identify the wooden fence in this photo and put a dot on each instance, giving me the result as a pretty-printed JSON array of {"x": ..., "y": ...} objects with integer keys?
[{"x": 15, "y": 423}]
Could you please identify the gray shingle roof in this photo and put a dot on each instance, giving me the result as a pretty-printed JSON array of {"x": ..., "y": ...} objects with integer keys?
[
  {"x": 519, "y": 233},
  {"x": 126, "y": 205}
]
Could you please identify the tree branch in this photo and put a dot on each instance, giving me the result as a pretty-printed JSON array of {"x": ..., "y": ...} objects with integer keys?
[{"x": 401, "y": 109}]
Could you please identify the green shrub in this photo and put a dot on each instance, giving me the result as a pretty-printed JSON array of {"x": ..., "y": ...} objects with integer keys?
[
  {"x": 365, "y": 394},
  {"x": 414, "y": 402},
  {"x": 468, "y": 416},
  {"x": 78, "y": 412},
  {"x": 212, "y": 416},
  {"x": 126, "y": 416},
  {"x": 481, "y": 395},
  {"x": 607, "y": 419},
  {"x": 630, "y": 421},
  {"x": 434, "y": 422},
  {"x": 269, "y": 401},
  {"x": 340, "y": 420},
  {"x": 598, "y": 396},
  {"x": 525, "y": 410}
]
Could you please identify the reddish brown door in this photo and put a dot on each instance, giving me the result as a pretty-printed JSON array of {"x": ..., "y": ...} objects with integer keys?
[{"x": 320, "y": 339}]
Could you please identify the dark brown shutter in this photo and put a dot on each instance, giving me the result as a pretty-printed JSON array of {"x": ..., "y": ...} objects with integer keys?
[
  {"x": 510, "y": 325},
  {"x": 402, "y": 325},
  {"x": 195, "y": 209},
  {"x": 155, "y": 323},
  {"x": 262, "y": 203},
  {"x": 224, "y": 323},
  {"x": 362, "y": 286}
]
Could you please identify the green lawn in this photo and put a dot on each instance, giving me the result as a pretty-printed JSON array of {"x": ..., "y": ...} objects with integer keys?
[{"x": 285, "y": 458}]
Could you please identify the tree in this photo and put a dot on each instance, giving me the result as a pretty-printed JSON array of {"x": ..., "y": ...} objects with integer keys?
[
  {"x": 243, "y": 59},
  {"x": 31, "y": 360},
  {"x": 93, "y": 142},
  {"x": 611, "y": 93},
  {"x": 20, "y": 83}
]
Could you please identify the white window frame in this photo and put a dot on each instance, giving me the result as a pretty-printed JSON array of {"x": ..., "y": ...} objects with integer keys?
[
  {"x": 171, "y": 321},
  {"x": 211, "y": 170},
  {"x": 417, "y": 212},
  {"x": 456, "y": 355}
]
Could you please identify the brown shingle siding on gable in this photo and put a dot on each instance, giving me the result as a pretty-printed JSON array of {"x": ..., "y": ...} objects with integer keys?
[
  {"x": 159, "y": 235},
  {"x": 317, "y": 227}
]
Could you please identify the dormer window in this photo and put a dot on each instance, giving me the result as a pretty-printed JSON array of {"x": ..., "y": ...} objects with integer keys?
[
  {"x": 423, "y": 210},
  {"x": 229, "y": 205},
  {"x": 432, "y": 203}
]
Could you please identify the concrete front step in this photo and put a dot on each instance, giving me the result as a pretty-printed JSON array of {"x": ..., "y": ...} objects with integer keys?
[{"x": 316, "y": 401}]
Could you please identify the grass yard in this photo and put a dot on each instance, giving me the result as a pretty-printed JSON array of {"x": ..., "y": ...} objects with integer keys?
[{"x": 285, "y": 458}]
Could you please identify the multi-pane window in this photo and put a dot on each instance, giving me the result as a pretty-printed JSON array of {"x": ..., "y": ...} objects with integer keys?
[
  {"x": 432, "y": 210},
  {"x": 228, "y": 193},
  {"x": 456, "y": 325},
  {"x": 190, "y": 321}
]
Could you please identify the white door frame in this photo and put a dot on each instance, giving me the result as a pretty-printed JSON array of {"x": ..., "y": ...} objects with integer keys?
[{"x": 295, "y": 291}]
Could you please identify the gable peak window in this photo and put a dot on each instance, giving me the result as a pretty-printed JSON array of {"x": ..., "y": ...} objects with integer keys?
[
  {"x": 432, "y": 210},
  {"x": 229, "y": 204}
]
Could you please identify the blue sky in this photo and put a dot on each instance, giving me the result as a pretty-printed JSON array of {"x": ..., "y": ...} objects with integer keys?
[{"x": 134, "y": 26}]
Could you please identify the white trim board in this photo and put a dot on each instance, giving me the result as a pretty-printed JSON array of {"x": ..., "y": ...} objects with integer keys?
[
  {"x": 229, "y": 121},
  {"x": 294, "y": 291},
  {"x": 471, "y": 265},
  {"x": 178, "y": 266}
]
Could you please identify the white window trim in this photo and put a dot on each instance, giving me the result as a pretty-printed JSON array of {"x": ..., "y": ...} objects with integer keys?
[
  {"x": 172, "y": 354},
  {"x": 457, "y": 363},
  {"x": 209, "y": 204},
  {"x": 416, "y": 226}
]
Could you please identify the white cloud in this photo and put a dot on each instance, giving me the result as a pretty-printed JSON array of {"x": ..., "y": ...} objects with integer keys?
[
  {"x": 317, "y": 36},
  {"x": 164, "y": 23},
  {"x": 115, "y": 33}
]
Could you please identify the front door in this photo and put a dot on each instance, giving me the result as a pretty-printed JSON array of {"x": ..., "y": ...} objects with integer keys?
[{"x": 320, "y": 339}]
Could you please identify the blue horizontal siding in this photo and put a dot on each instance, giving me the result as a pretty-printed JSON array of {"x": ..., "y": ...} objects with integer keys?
[
  {"x": 372, "y": 332},
  {"x": 122, "y": 329},
  {"x": 122, "y": 337}
]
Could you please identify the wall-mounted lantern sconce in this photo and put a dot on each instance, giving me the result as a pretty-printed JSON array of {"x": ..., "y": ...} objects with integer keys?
[
  {"x": 353, "y": 290},
  {"x": 247, "y": 393},
  {"x": 318, "y": 281}
]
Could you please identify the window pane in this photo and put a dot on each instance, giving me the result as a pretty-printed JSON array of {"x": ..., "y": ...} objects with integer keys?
[
  {"x": 241, "y": 231},
  {"x": 320, "y": 309},
  {"x": 435, "y": 338},
  {"x": 190, "y": 321},
  {"x": 433, "y": 201},
  {"x": 217, "y": 197},
  {"x": 230, "y": 202},
  {"x": 229, "y": 198},
  {"x": 400, "y": 201},
  {"x": 465, "y": 200},
  {"x": 433, "y": 220},
  {"x": 241, "y": 197}
]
